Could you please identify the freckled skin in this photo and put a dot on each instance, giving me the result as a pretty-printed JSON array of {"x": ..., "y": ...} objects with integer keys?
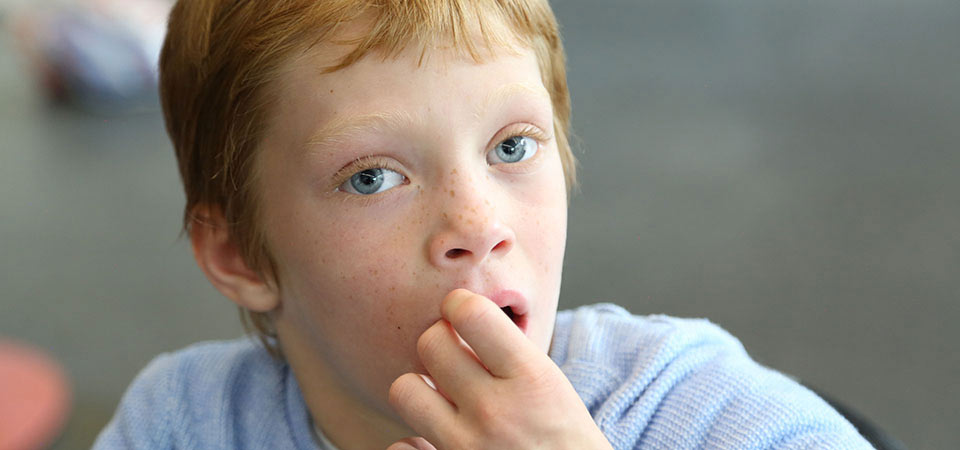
[{"x": 363, "y": 280}]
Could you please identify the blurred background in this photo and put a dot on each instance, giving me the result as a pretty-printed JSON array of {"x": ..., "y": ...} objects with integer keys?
[{"x": 788, "y": 170}]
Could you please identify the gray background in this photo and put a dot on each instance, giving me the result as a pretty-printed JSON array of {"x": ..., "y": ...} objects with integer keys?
[{"x": 786, "y": 169}]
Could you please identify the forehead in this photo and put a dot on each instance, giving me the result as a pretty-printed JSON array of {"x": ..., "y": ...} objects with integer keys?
[
  {"x": 308, "y": 73},
  {"x": 314, "y": 99}
]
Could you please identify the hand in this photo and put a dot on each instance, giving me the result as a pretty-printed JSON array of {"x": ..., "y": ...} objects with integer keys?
[{"x": 494, "y": 387}]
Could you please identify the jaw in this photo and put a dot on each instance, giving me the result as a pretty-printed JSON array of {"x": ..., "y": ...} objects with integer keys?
[{"x": 338, "y": 407}]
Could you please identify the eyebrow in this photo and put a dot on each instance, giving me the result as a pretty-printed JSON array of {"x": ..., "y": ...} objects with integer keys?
[
  {"x": 338, "y": 129},
  {"x": 335, "y": 130},
  {"x": 508, "y": 92}
]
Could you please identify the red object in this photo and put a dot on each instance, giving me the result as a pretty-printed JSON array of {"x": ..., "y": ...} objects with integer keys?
[{"x": 34, "y": 397}]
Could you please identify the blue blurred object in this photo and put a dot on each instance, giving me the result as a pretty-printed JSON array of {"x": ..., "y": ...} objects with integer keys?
[{"x": 99, "y": 55}]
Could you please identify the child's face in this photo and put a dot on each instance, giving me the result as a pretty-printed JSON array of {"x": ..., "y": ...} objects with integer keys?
[{"x": 435, "y": 178}]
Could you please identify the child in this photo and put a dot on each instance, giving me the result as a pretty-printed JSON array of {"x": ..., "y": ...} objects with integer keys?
[{"x": 382, "y": 188}]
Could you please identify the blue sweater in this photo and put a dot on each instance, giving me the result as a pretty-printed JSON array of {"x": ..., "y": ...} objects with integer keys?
[{"x": 649, "y": 382}]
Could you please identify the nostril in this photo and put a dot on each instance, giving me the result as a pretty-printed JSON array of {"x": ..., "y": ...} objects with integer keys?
[
  {"x": 500, "y": 245},
  {"x": 456, "y": 253}
]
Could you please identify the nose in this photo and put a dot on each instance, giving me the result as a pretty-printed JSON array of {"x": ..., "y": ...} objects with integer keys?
[{"x": 469, "y": 232}]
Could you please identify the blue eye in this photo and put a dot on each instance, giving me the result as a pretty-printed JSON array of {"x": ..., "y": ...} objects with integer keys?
[
  {"x": 372, "y": 181},
  {"x": 513, "y": 150}
]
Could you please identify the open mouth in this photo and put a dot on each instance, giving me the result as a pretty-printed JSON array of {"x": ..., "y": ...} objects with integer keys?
[
  {"x": 520, "y": 320},
  {"x": 515, "y": 306}
]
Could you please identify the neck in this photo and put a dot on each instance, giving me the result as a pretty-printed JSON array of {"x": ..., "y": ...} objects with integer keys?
[{"x": 346, "y": 421}]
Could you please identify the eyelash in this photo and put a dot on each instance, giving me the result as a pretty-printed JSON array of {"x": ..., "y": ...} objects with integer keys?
[
  {"x": 371, "y": 162},
  {"x": 529, "y": 131},
  {"x": 361, "y": 164}
]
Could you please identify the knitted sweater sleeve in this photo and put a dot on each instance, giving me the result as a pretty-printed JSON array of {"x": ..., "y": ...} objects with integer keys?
[{"x": 664, "y": 382}]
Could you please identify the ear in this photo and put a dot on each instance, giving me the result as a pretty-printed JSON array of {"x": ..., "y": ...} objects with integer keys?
[{"x": 219, "y": 257}]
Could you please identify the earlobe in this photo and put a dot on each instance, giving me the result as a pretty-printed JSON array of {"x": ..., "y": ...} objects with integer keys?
[{"x": 219, "y": 257}]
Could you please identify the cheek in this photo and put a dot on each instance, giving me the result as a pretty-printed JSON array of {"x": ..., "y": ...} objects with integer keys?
[
  {"x": 354, "y": 278},
  {"x": 354, "y": 265},
  {"x": 544, "y": 218}
]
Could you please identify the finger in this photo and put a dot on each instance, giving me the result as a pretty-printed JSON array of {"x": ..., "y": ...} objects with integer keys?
[
  {"x": 421, "y": 406},
  {"x": 453, "y": 366},
  {"x": 412, "y": 443},
  {"x": 495, "y": 339}
]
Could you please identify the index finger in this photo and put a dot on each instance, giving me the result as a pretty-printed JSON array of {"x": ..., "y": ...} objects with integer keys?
[{"x": 501, "y": 346}]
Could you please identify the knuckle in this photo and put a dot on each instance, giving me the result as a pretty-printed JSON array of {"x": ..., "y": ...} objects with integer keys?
[
  {"x": 495, "y": 422},
  {"x": 487, "y": 412},
  {"x": 490, "y": 410},
  {"x": 542, "y": 376},
  {"x": 538, "y": 372}
]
